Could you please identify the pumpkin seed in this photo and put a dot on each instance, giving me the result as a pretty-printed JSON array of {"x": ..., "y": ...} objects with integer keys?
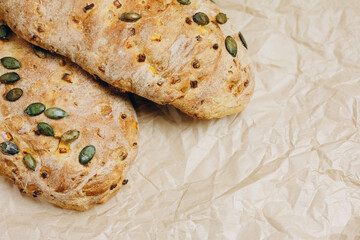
[
  {"x": 130, "y": 17},
  {"x": 45, "y": 129},
  {"x": 70, "y": 136},
  {"x": 231, "y": 45},
  {"x": 243, "y": 40},
  {"x": 14, "y": 94},
  {"x": 4, "y": 31},
  {"x": 201, "y": 18},
  {"x": 221, "y": 18},
  {"x": 30, "y": 161},
  {"x": 35, "y": 109},
  {"x": 55, "y": 113},
  {"x": 41, "y": 53},
  {"x": 9, "y": 148},
  {"x": 87, "y": 154},
  {"x": 10, "y": 63},
  {"x": 184, "y": 2},
  {"x": 9, "y": 78}
]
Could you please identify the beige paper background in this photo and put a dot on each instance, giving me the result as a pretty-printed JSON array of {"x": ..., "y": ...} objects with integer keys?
[{"x": 288, "y": 167}]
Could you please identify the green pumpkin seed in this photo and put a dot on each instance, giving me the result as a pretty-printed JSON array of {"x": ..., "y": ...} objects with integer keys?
[
  {"x": 9, "y": 148},
  {"x": 87, "y": 154},
  {"x": 4, "y": 31},
  {"x": 243, "y": 40},
  {"x": 70, "y": 136},
  {"x": 30, "y": 161},
  {"x": 45, "y": 129},
  {"x": 14, "y": 94},
  {"x": 221, "y": 18},
  {"x": 35, "y": 109},
  {"x": 130, "y": 17},
  {"x": 201, "y": 19},
  {"x": 10, "y": 63},
  {"x": 55, "y": 113},
  {"x": 231, "y": 45},
  {"x": 184, "y": 2},
  {"x": 41, "y": 53},
  {"x": 9, "y": 78}
]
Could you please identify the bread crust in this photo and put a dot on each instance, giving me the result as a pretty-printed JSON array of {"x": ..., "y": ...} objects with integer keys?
[
  {"x": 104, "y": 118},
  {"x": 153, "y": 57}
]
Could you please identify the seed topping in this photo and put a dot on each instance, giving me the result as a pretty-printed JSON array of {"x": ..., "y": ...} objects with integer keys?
[{"x": 130, "y": 17}]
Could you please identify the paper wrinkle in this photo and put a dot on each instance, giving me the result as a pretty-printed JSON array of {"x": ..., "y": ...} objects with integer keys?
[{"x": 288, "y": 167}]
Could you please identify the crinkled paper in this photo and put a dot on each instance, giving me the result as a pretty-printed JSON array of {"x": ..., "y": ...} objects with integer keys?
[{"x": 288, "y": 167}]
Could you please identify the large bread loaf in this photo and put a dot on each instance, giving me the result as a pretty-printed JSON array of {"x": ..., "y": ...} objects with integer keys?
[
  {"x": 178, "y": 52},
  {"x": 45, "y": 153}
]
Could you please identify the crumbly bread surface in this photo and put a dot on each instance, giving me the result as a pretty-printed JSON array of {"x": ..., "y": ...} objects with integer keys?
[
  {"x": 104, "y": 119},
  {"x": 164, "y": 56}
]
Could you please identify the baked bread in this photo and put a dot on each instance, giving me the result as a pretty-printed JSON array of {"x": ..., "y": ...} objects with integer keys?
[
  {"x": 56, "y": 168},
  {"x": 178, "y": 52}
]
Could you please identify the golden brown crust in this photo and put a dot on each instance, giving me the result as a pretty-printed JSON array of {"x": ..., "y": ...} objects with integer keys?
[
  {"x": 153, "y": 57},
  {"x": 105, "y": 119}
]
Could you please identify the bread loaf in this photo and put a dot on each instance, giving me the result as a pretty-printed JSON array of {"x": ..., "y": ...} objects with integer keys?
[
  {"x": 75, "y": 153},
  {"x": 180, "y": 52}
]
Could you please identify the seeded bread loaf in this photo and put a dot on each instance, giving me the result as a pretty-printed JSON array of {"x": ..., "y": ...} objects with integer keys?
[
  {"x": 179, "y": 52},
  {"x": 76, "y": 152}
]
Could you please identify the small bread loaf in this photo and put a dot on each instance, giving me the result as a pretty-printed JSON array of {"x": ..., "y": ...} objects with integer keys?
[
  {"x": 179, "y": 52},
  {"x": 64, "y": 137}
]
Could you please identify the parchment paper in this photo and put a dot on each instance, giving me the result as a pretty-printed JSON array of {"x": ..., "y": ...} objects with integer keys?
[{"x": 288, "y": 167}]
